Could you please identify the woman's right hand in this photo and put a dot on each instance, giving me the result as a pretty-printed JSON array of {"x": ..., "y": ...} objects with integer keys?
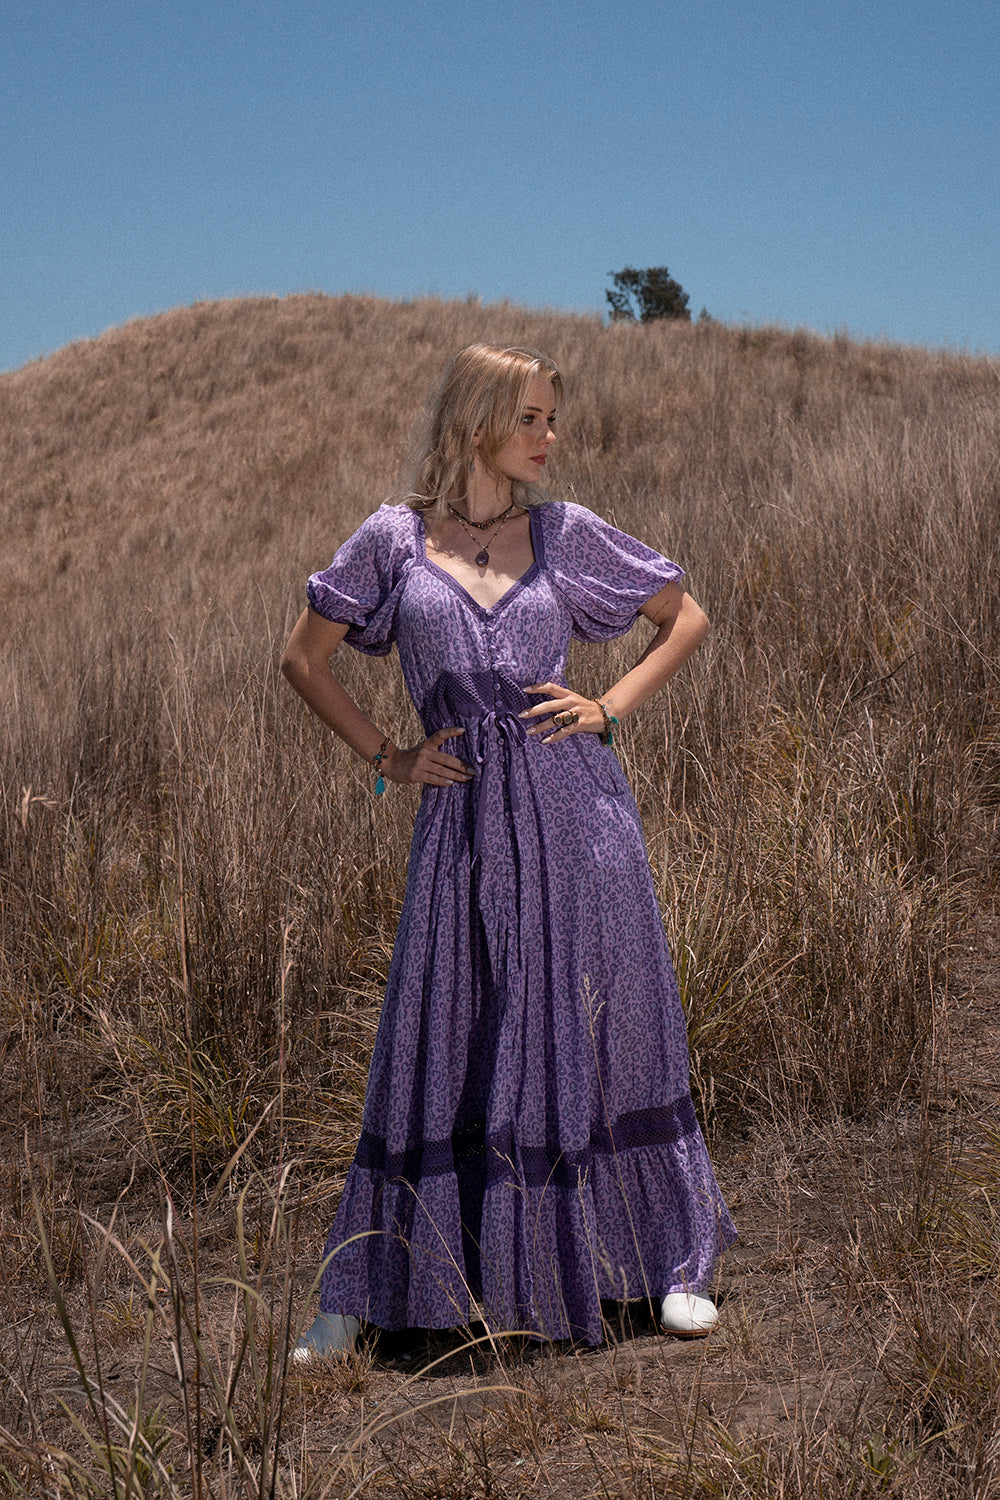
[{"x": 427, "y": 763}]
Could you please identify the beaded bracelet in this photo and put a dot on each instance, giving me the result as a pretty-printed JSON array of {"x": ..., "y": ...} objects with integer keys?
[
  {"x": 379, "y": 757},
  {"x": 610, "y": 725}
]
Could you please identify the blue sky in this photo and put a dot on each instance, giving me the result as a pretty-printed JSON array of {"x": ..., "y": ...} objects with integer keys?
[{"x": 833, "y": 165}]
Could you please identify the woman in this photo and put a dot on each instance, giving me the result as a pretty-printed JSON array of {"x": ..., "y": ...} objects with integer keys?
[{"x": 528, "y": 1139}]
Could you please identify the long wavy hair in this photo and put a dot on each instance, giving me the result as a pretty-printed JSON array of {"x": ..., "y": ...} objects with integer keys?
[{"x": 481, "y": 394}]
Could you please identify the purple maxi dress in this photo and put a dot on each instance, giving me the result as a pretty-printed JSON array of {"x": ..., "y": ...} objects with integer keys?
[{"x": 529, "y": 1141}]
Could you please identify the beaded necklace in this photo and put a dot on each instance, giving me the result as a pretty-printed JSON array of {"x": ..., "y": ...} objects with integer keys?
[{"x": 482, "y": 558}]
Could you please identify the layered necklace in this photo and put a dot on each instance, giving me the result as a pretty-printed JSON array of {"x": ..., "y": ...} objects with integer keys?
[{"x": 482, "y": 558}]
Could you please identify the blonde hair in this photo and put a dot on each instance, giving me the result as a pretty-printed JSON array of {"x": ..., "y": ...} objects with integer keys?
[{"x": 481, "y": 394}]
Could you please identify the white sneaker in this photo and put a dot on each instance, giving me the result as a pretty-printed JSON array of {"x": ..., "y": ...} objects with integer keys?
[
  {"x": 328, "y": 1337},
  {"x": 687, "y": 1315}
]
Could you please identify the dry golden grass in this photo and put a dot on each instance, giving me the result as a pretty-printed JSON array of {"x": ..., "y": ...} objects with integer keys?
[{"x": 199, "y": 894}]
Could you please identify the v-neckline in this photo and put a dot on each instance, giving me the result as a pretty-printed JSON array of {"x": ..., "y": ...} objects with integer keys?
[{"x": 519, "y": 583}]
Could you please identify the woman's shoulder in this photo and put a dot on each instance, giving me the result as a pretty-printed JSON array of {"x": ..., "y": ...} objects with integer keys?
[
  {"x": 563, "y": 514},
  {"x": 565, "y": 520},
  {"x": 389, "y": 533},
  {"x": 576, "y": 536},
  {"x": 391, "y": 520},
  {"x": 568, "y": 524}
]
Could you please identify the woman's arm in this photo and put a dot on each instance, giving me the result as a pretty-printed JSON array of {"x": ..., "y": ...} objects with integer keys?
[
  {"x": 306, "y": 664},
  {"x": 681, "y": 626}
]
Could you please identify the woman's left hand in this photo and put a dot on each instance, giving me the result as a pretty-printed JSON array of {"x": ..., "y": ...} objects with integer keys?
[{"x": 562, "y": 700}]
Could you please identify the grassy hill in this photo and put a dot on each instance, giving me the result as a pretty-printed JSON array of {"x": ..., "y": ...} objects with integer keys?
[
  {"x": 199, "y": 893},
  {"x": 230, "y": 444}
]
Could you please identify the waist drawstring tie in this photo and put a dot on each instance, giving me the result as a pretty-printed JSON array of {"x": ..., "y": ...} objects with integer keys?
[{"x": 501, "y": 731}]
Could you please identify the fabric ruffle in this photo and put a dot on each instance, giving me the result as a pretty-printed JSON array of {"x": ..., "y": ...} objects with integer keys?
[{"x": 545, "y": 1253}]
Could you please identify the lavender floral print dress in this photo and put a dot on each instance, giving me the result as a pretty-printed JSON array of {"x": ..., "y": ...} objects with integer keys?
[{"x": 529, "y": 1142}]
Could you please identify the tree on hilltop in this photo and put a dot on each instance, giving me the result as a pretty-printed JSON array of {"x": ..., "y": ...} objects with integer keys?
[{"x": 642, "y": 296}]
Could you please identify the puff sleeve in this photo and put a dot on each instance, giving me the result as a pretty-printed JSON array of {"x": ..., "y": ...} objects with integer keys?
[
  {"x": 361, "y": 587},
  {"x": 602, "y": 575}
]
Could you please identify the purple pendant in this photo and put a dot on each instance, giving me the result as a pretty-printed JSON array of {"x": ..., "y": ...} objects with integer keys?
[{"x": 482, "y": 559}]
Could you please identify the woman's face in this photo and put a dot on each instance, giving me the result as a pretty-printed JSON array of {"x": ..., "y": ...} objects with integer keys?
[{"x": 523, "y": 455}]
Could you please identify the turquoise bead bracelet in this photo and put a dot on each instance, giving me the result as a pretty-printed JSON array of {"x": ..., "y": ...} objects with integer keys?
[
  {"x": 380, "y": 755},
  {"x": 610, "y": 725}
]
